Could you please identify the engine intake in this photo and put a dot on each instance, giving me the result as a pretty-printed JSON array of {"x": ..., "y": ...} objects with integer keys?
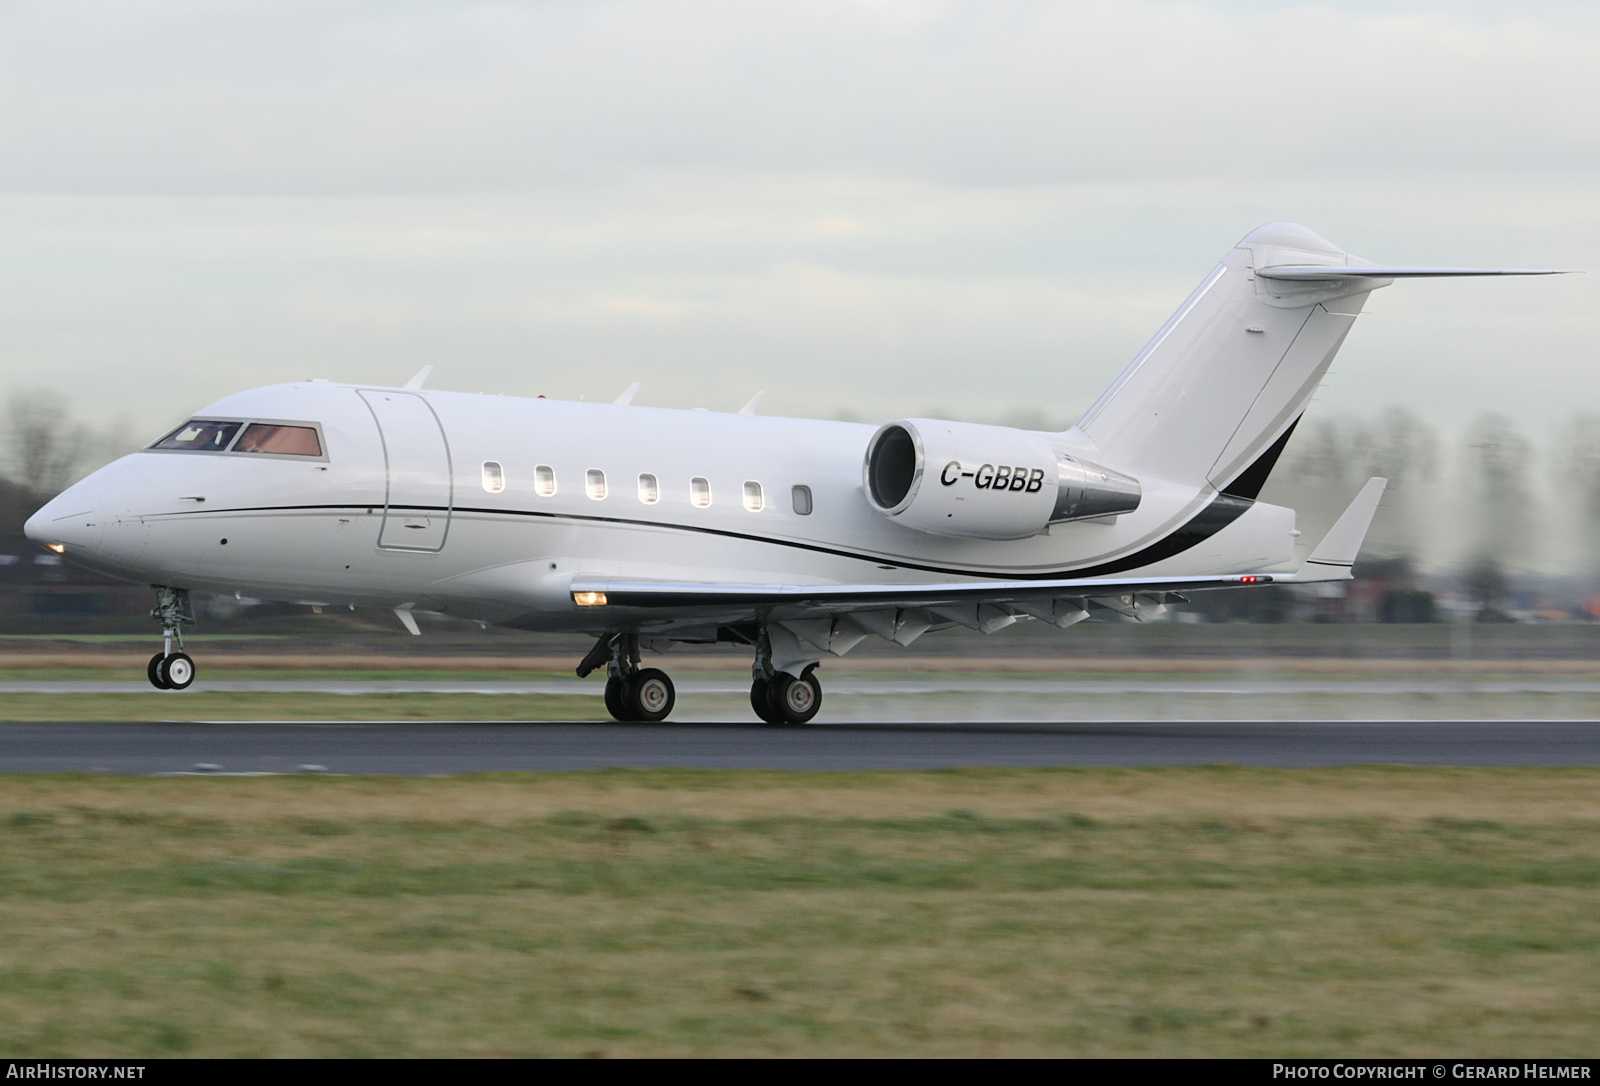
[{"x": 985, "y": 482}]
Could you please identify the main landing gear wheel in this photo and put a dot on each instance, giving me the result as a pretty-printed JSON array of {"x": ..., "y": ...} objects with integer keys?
[
  {"x": 650, "y": 695},
  {"x": 616, "y": 698},
  {"x": 154, "y": 671},
  {"x": 643, "y": 697},
  {"x": 789, "y": 700},
  {"x": 761, "y": 701},
  {"x": 173, "y": 672}
]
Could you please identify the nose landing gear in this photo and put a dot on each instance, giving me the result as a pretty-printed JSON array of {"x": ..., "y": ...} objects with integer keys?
[
  {"x": 170, "y": 670},
  {"x": 633, "y": 694}
]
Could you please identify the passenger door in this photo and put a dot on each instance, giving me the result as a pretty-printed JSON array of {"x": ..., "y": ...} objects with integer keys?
[{"x": 416, "y": 514}]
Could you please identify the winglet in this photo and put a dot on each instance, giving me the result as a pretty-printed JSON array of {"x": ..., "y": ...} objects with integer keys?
[
  {"x": 755, "y": 401},
  {"x": 1336, "y": 554},
  {"x": 627, "y": 395},
  {"x": 422, "y": 375}
]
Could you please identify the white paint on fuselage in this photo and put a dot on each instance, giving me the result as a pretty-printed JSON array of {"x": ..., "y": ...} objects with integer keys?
[{"x": 309, "y": 531}]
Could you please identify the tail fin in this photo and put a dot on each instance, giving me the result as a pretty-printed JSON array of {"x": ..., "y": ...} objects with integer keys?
[{"x": 1212, "y": 398}]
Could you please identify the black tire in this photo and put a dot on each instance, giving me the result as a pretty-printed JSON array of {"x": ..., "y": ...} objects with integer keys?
[
  {"x": 617, "y": 699},
  {"x": 650, "y": 696},
  {"x": 796, "y": 701},
  {"x": 761, "y": 701},
  {"x": 154, "y": 672},
  {"x": 176, "y": 671}
]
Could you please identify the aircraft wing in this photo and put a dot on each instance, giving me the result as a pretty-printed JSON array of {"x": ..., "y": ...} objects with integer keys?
[
  {"x": 622, "y": 592},
  {"x": 1331, "y": 560},
  {"x": 898, "y": 612}
]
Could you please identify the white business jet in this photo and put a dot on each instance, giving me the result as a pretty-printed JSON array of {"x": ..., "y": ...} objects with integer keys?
[{"x": 643, "y": 526}]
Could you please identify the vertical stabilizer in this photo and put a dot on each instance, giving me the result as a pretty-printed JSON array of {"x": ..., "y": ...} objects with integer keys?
[{"x": 1221, "y": 384}]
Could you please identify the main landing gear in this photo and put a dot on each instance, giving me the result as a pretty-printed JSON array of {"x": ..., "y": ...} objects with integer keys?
[
  {"x": 170, "y": 670},
  {"x": 785, "y": 699},
  {"x": 784, "y": 687},
  {"x": 633, "y": 694}
]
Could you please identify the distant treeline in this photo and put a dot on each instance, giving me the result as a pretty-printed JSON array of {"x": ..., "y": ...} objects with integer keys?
[{"x": 45, "y": 449}]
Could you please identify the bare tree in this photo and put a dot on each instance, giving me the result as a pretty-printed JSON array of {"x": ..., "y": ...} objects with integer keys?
[
  {"x": 1401, "y": 448},
  {"x": 1325, "y": 451},
  {"x": 1577, "y": 463},
  {"x": 1487, "y": 586},
  {"x": 44, "y": 444},
  {"x": 1348, "y": 451},
  {"x": 1578, "y": 456},
  {"x": 1498, "y": 464}
]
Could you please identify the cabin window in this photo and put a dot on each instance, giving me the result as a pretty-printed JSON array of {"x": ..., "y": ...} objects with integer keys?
[
  {"x": 200, "y": 435},
  {"x": 278, "y": 440},
  {"x": 699, "y": 492},
  {"x": 752, "y": 496},
  {"x": 494, "y": 477},
  {"x": 544, "y": 480},
  {"x": 594, "y": 484},
  {"x": 649, "y": 490},
  {"x": 802, "y": 500}
]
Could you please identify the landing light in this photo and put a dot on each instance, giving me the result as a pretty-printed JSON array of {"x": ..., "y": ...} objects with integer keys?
[
  {"x": 59, "y": 548},
  {"x": 589, "y": 599}
]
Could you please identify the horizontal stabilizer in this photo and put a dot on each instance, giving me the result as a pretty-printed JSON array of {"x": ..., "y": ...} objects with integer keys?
[
  {"x": 1326, "y": 273},
  {"x": 1334, "y": 557}
]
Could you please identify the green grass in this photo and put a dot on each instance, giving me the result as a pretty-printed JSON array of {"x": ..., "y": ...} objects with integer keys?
[
  {"x": 198, "y": 705},
  {"x": 141, "y": 636},
  {"x": 1212, "y": 911}
]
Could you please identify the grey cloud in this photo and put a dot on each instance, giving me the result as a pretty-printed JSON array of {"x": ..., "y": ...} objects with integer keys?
[
  {"x": 873, "y": 206},
  {"x": 419, "y": 97}
]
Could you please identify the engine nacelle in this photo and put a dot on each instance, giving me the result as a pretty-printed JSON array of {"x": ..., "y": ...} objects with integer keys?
[{"x": 985, "y": 482}]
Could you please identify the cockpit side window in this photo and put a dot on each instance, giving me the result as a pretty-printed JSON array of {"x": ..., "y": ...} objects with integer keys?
[
  {"x": 200, "y": 435},
  {"x": 280, "y": 440}
]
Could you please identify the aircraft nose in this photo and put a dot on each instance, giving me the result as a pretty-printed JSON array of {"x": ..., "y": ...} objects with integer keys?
[{"x": 66, "y": 520}]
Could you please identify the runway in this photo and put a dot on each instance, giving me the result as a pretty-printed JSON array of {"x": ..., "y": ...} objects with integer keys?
[
  {"x": 421, "y": 749},
  {"x": 834, "y": 688}
]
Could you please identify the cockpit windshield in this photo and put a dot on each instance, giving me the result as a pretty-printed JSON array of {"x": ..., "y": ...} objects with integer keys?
[
  {"x": 259, "y": 438},
  {"x": 267, "y": 437},
  {"x": 200, "y": 435}
]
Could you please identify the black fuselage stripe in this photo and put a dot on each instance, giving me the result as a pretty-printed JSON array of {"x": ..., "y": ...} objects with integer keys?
[{"x": 1220, "y": 512}]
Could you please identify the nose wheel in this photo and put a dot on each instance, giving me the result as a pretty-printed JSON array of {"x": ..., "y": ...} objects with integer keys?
[
  {"x": 173, "y": 672},
  {"x": 169, "y": 670}
]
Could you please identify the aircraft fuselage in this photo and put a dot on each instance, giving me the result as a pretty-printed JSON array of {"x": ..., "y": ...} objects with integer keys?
[{"x": 402, "y": 510}]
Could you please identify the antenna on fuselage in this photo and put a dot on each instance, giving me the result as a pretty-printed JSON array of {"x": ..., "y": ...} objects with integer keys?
[
  {"x": 627, "y": 395},
  {"x": 750, "y": 408},
  {"x": 422, "y": 375}
]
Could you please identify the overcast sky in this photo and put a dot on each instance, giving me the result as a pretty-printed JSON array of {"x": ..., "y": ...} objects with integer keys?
[{"x": 885, "y": 208}]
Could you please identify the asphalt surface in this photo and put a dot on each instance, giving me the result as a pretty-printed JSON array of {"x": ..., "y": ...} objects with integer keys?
[
  {"x": 834, "y": 688},
  {"x": 431, "y": 748}
]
